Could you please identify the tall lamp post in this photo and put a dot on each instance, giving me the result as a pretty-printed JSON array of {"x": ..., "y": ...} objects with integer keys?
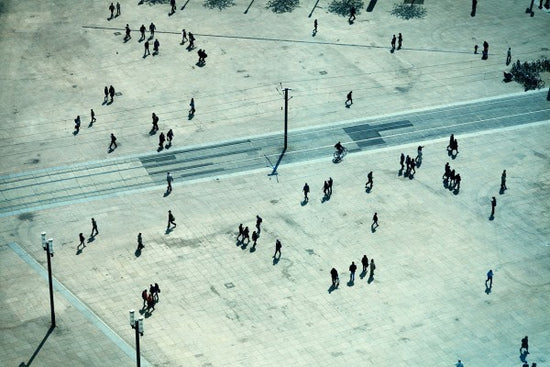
[
  {"x": 137, "y": 325},
  {"x": 47, "y": 245}
]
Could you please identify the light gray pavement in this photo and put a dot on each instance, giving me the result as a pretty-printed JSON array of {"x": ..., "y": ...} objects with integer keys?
[{"x": 221, "y": 304}]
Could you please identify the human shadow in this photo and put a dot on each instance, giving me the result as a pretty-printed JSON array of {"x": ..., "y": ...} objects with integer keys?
[
  {"x": 363, "y": 274},
  {"x": 456, "y": 190},
  {"x": 371, "y": 279},
  {"x": 325, "y": 198},
  {"x": 166, "y": 193},
  {"x": 276, "y": 260},
  {"x": 333, "y": 287},
  {"x": 487, "y": 290},
  {"x": 400, "y": 172},
  {"x": 190, "y": 48},
  {"x": 200, "y": 64},
  {"x": 411, "y": 175},
  {"x": 368, "y": 189},
  {"x": 523, "y": 356},
  {"x": 501, "y": 191},
  {"x": 37, "y": 350},
  {"x": 160, "y": 148},
  {"x": 110, "y": 102},
  {"x": 373, "y": 227},
  {"x": 350, "y": 283},
  {"x": 79, "y": 250},
  {"x": 168, "y": 146},
  {"x": 137, "y": 253},
  {"x": 190, "y": 115},
  {"x": 153, "y": 131},
  {"x": 446, "y": 183},
  {"x": 492, "y": 217},
  {"x": 253, "y": 248},
  {"x": 75, "y": 133},
  {"x": 304, "y": 202},
  {"x": 348, "y": 104},
  {"x": 244, "y": 245},
  {"x": 168, "y": 230}
]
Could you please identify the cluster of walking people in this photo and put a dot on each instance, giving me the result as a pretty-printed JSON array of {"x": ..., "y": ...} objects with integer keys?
[
  {"x": 151, "y": 298},
  {"x": 411, "y": 163},
  {"x": 452, "y": 148},
  {"x": 244, "y": 234},
  {"x": 451, "y": 179},
  {"x": 352, "y": 269}
]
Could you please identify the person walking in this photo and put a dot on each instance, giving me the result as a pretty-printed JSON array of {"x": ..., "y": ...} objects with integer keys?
[
  {"x": 152, "y": 28},
  {"x": 112, "y": 9},
  {"x": 372, "y": 267},
  {"x": 259, "y": 221},
  {"x": 127, "y": 37},
  {"x": 155, "y": 122},
  {"x": 254, "y": 238},
  {"x": 402, "y": 161},
  {"x": 349, "y": 99},
  {"x": 171, "y": 220},
  {"x": 82, "y": 239},
  {"x": 374, "y": 220},
  {"x": 156, "y": 291},
  {"x": 419, "y": 153},
  {"x": 334, "y": 277},
  {"x": 489, "y": 279},
  {"x": 352, "y": 269},
  {"x": 191, "y": 41},
  {"x": 457, "y": 181},
  {"x": 183, "y": 36},
  {"x": 170, "y": 136},
  {"x": 95, "y": 232},
  {"x": 140, "y": 242},
  {"x": 493, "y": 205},
  {"x": 306, "y": 191},
  {"x": 352, "y": 12},
  {"x": 503, "y": 181},
  {"x": 330, "y": 182},
  {"x": 77, "y": 123},
  {"x": 161, "y": 141},
  {"x": 192, "y": 105},
  {"x": 169, "y": 180},
  {"x": 278, "y": 247},
  {"x": 524, "y": 345},
  {"x": 365, "y": 263},
  {"x": 144, "y": 297},
  {"x": 113, "y": 142},
  {"x": 369, "y": 182},
  {"x": 146, "y": 49},
  {"x": 156, "y": 46},
  {"x": 117, "y": 9},
  {"x": 315, "y": 27},
  {"x": 393, "y": 42},
  {"x": 150, "y": 302},
  {"x": 241, "y": 232},
  {"x": 246, "y": 235},
  {"x": 106, "y": 92},
  {"x": 399, "y": 41},
  {"x": 325, "y": 188},
  {"x": 142, "y": 31},
  {"x": 172, "y": 6},
  {"x": 509, "y": 56},
  {"x": 112, "y": 92},
  {"x": 92, "y": 113}
]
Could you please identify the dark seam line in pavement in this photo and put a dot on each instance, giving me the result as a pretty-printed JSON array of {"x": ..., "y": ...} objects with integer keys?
[
  {"x": 204, "y": 172},
  {"x": 190, "y": 167},
  {"x": 203, "y": 157},
  {"x": 286, "y": 40},
  {"x": 165, "y": 157},
  {"x": 214, "y": 146},
  {"x": 78, "y": 304}
]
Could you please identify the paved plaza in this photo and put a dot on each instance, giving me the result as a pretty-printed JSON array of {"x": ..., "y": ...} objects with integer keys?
[{"x": 227, "y": 303}]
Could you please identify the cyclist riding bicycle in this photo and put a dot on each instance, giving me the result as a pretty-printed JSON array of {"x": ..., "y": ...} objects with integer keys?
[{"x": 339, "y": 147}]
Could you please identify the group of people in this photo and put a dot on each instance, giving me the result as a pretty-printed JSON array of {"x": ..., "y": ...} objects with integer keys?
[
  {"x": 151, "y": 298},
  {"x": 327, "y": 187},
  {"x": 451, "y": 178},
  {"x": 108, "y": 92},
  {"x": 399, "y": 40},
  {"x": 410, "y": 162},
  {"x": 352, "y": 269},
  {"x": 202, "y": 56},
  {"x": 452, "y": 148},
  {"x": 94, "y": 233},
  {"x": 162, "y": 138},
  {"x": 244, "y": 233}
]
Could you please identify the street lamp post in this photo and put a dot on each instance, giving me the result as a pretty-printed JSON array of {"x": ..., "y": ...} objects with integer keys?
[
  {"x": 47, "y": 245},
  {"x": 137, "y": 325}
]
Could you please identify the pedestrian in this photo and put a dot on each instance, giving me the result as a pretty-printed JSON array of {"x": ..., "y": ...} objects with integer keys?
[
  {"x": 419, "y": 153},
  {"x": 127, "y": 37},
  {"x": 352, "y": 269},
  {"x": 334, "y": 277},
  {"x": 447, "y": 171},
  {"x": 457, "y": 181},
  {"x": 475, "y": 49},
  {"x": 191, "y": 41},
  {"x": 192, "y": 105},
  {"x": 352, "y": 12},
  {"x": 372, "y": 267},
  {"x": 170, "y": 136},
  {"x": 92, "y": 113},
  {"x": 254, "y": 238},
  {"x": 509, "y": 56},
  {"x": 144, "y": 297},
  {"x": 459, "y": 364},
  {"x": 152, "y": 30},
  {"x": 241, "y": 230},
  {"x": 82, "y": 239},
  {"x": 485, "y": 54},
  {"x": 306, "y": 191},
  {"x": 150, "y": 302},
  {"x": 365, "y": 263},
  {"x": 173, "y": 6},
  {"x": 161, "y": 141},
  {"x": 77, "y": 123},
  {"x": 171, "y": 219},
  {"x": 169, "y": 180},
  {"x": 489, "y": 279},
  {"x": 95, "y": 232},
  {"x": 402, "y": 160},
  {"x": 183, "y": 36},
  {"x": 146, "y": 49},
  {"x": 278, "y": 246},
  {"x": 524, "y": 345},
  {"x": 142, "y": 31},
  {"x": 156, "y": 46},
  {"x": 325, "y": 188},
  {"x": 258, "y": 223},
  {"x": 106, "y": 92},
  {"x": 112, "y": 9},
  {"x": 140, "y": 242},
  {"x": 349, "y": 99},
  {"x": 315, "y": 26},
  {"x": 113, "y": 142},
  {"x": 393, "y": 42},
  {"x": 155, "y": 121},
  {"x": 369, "y": 182},
  {"x": 112, "y": 92},
  {"x": 452, "y": 178},
  {"x": 503, "y": 181},
  {"x": 399, "y": 41},
  {"x": 246, "y": 234},
  {"x": 413, "y": 165},
  {"x": 152, "y": 290},
  {"x": 493, "y": 205},
  {"x": 117, "y": 9},
  {"x": 156, "y": 291},
  {"x": 374, "y": 220},
  {"x": 330, "y": 182}
]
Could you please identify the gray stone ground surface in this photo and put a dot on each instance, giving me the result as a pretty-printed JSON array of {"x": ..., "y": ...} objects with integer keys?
[{"x": 223, "y": 304}]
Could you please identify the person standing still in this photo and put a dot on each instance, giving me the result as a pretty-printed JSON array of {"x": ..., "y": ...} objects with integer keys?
[
  {"x": 399, "y": 41},
  {"x": 365, "y": 263},
  {"x": 503, "y": 181},
  {"x": 306, "y": 191},
  {"x": 509, "y": 56},
  {"x": 352, "y": 269}
]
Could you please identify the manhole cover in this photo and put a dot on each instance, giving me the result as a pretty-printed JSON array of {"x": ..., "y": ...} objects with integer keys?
[{"x": 229, "y": 285}]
